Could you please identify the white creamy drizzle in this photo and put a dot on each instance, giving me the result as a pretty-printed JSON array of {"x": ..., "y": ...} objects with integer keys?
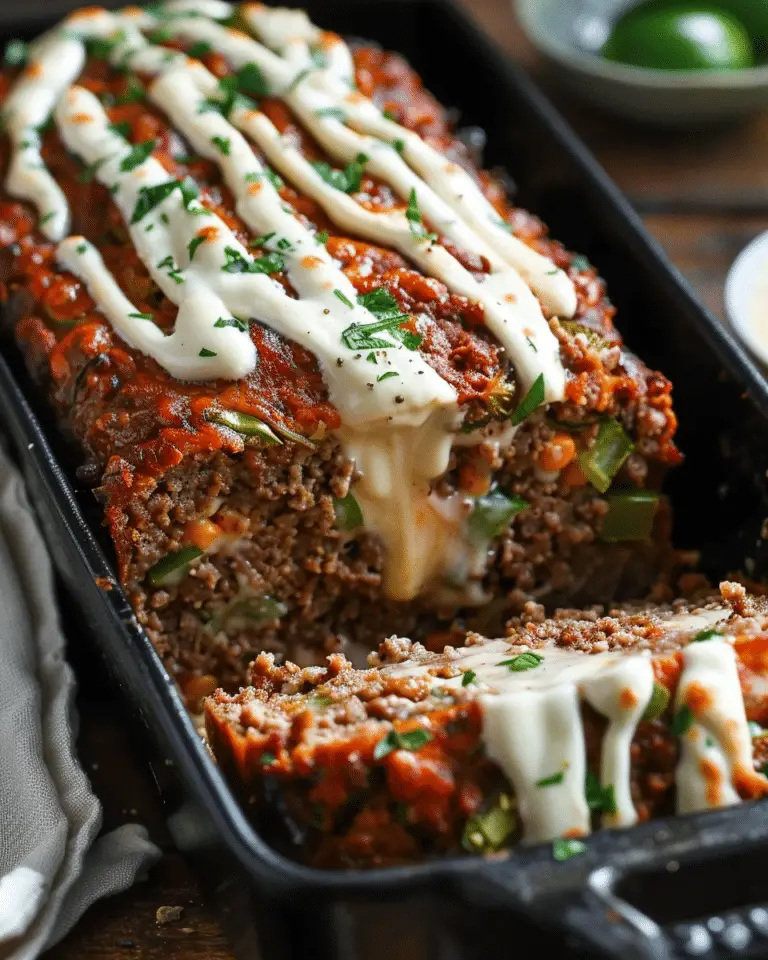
[
  {"x": 178, "y": 352},
  {"x": 449, "y": 180},
  {"x": 511, "y": 310},
  {"x": 55, "y": 62},
  {"x": 532, "y": 726},
  {"x": 718, "y": 745},
  {"x": 399, "y": 430},
  {"x": 532, "y": 735},
  {"x": 85, "y": 130}
]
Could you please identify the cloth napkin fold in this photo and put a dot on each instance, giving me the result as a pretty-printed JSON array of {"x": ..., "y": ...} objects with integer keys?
[{"x": 52, "y": 866}]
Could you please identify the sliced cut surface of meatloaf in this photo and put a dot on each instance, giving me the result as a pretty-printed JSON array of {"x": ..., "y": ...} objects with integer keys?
[
  {"x": 550, "y": 732},
  {"x": 329, "y": 382}
]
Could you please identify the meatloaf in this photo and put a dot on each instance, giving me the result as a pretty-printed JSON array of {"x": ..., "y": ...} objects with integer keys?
[
  {"x": 555, "y": 729},
  {"x": 327, "y": 381}
]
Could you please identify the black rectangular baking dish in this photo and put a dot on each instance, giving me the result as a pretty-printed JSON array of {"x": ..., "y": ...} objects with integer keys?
[{"x": 690, "y": 886}]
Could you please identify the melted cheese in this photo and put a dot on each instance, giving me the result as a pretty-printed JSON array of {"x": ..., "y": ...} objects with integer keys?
[
  {"x": 718, "y": 745},
  {"x": 399, "y": 417}
]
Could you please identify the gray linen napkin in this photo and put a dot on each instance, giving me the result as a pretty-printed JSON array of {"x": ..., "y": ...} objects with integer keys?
[{"x": 52, "y": 866}]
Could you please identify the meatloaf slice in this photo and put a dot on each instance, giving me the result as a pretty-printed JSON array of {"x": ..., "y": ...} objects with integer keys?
[{"x": 543, "y": 735}]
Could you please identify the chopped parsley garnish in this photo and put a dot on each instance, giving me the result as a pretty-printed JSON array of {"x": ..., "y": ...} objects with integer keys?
[
  {"x": 371, "y": 358},
  {"x": 566, "y": 847},
  {"x": 82, "y": 248},
  {"x": 755, "y": 730},
  {"x": 173, "y": 271},
  {"x": 228, "y": 96},
  {"x": 137, "y": 155},
  {"x": 284, "y": 244},
  {"x": 134, "y": 93},
  {"x": 410, "y": 740},
  {"x": 123, "y": 129},
  {"x": 274, "y": 178},
  {"x": 193, "y": 244},
  {"x": 240, "y": 325},
  {"x": 399, "y": 145},
  {"x": 251, "y": 80},
  {"x": 199, "y": 49},
  {"x": 16, "y": 53},
  {"x": 321, "y": 237},
  {"x": 223, "y": 144},
  {"x": 386, "y": 376},
  {"x": 706, "y": 635},
  {"x": 48, "y": 216},
  {"x": 552, "y": 780},
  {"x": 523, "y": 661},
  {"x": 682, "y": 721},
  {"x": 260, "y": 241},
  {"x": 141, "y": 316},
  {"x": 100, "y": 48},
  {"x": 347, "y": 180},
  {"x": 301, "y": 75},
  {"x": 150, "y": 197},
  {"x": 469, "y": 676},
  {"x": 580, "y": 263},
  {"x": 160, "y": 35},
  {"x": 415, "y": 221},
  {"x": 533, "y": 399},
  {"x": 382, "y": 305},
  {"x": 267, "y": 759},
  {"x": 318, "y": 57},
  {"x": 598, "y": 797},
  {"x": 205, "y": 352},
  {"x": 336, "y": 113},
  {"x": 236, "y": 263},
  {"x": 345, "y": 300},
  {"x": 90, "y": 170},
  {"x": 388, "y": 115}
]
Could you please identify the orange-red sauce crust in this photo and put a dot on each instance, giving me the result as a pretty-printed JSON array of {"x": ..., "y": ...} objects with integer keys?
[{"x": 136, "y": 422}]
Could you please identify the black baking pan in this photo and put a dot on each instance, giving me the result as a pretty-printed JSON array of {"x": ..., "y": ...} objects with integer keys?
[{"x": 683, "y": 887}]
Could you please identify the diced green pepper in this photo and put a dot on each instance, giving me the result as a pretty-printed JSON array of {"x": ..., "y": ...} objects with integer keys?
[
  {"x": 245, "y": 424},
  {"x": 171, "y": 563},
  {"x": 602, "y": 462},
  {"x": 658, "y": 703},
  {"x": 489, "y": 831},
  {"x": 630, "y": 516},
  {"x": 349, "y": 515},
  {"x": 492, "y": 513}
]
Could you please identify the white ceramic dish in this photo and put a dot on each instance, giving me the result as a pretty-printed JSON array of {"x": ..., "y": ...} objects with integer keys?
[
  {"x": 746, "y": 297},
  {"x": 565, "y": 31}
]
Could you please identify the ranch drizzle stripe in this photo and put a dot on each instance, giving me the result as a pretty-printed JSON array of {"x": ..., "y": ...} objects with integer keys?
[{"x": 533, "y": 728}]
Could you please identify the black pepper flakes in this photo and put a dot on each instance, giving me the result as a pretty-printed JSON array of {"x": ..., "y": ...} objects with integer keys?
[
  {"x": 399, "y": 398},
  {"x": 339, "y": 362}
]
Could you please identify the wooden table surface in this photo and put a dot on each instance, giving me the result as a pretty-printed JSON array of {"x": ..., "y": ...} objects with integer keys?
[{"x": 703, "y": 195}]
